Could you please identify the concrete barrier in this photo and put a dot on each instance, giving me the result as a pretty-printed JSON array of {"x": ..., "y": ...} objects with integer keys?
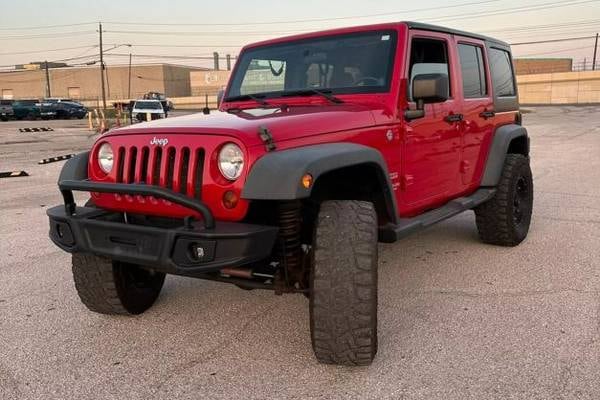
[{"x": 560, "y": 88}]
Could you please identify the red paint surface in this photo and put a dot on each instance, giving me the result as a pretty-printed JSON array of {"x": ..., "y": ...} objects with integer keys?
[{"x": 430, "y": 161}]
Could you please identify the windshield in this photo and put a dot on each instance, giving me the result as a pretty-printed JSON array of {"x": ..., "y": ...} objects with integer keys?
[
  {"x": 342, "y": 64},
  {"x": 148, "y": 105}
]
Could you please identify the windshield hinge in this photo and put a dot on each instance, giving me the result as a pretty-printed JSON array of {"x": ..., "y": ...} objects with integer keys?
[{"x": 266, "y": 138}]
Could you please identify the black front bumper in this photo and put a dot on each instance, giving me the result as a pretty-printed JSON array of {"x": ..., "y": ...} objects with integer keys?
[{"x": 190, "y": 248}]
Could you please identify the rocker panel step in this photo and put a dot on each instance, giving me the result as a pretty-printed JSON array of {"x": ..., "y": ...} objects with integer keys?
[{"x": 391, "y": 233}]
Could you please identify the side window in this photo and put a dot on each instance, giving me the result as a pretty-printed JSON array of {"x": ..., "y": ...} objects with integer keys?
[
  {"x": 502, "y": 73},
  {"x": 473, "y": 71},
  {"x": 264, "y": 76},
  {"x": 428, "y": 56}
]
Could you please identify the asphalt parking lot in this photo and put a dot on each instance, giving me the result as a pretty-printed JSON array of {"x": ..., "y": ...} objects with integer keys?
[{"x": 458, "y": 319}]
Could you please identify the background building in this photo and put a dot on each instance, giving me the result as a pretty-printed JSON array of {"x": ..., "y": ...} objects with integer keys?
[
  {"x": 528, "y": 66},
  {"x": 208, "y": 82},
  {"x": 83, "y": 83}
]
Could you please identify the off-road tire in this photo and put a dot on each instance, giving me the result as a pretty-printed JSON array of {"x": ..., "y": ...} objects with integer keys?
[
  {"x": 504, "y": 220},
  {"x": 343, "y": 283},
  {"x": 112, "y": 287}
]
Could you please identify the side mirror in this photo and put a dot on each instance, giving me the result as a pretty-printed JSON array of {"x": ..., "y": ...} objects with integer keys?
[{"x": 427, "y": 88}]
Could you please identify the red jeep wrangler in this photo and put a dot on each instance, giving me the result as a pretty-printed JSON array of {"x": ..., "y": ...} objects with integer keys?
[{"x": 325, "y": 144}]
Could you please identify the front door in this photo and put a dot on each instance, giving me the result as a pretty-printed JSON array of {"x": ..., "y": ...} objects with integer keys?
[{"x": 431, "y": 145}]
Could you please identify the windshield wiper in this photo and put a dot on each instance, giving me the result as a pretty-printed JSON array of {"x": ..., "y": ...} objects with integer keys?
[
  {"x": 256, "y": 97},
  {"x": 310, "y": 92}
]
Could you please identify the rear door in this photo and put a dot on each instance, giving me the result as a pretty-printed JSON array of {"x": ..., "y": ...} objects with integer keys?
[{"x": 477, "y": 108}]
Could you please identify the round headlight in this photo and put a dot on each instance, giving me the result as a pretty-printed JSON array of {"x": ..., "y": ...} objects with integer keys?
[
  {"x": 231, "y": 161},
  {"x": 105, "y": 157}
]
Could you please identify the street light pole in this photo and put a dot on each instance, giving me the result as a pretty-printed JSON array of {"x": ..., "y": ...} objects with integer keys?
[
  {"x": 595, "y": 51},
  {"x": 129, "y": 83},
  {"x": 102, "y": 68},
  {"x": 48, "y": 93}
]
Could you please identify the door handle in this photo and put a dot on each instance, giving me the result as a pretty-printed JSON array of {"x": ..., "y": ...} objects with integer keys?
[
  {"x": 451, "y": 118},
  {"x": 487, "y": 114}
]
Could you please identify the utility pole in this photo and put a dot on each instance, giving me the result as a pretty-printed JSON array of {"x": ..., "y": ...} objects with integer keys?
[
  {"x": 228, "y": 59},
  {"x": 48, "y": 93},
  {"x": 595, "y": 52},
  {"x": 102, "y": 68},
  {"x": 216, "y": 60},
  {"x": 129, "y": 83}
]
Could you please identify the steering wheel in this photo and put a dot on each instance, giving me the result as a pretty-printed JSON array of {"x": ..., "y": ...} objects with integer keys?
[{"x": 365, "y": 79}]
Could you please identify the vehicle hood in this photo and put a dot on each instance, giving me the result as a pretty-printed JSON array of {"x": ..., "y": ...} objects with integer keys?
[{"x": 283, "y": 124}]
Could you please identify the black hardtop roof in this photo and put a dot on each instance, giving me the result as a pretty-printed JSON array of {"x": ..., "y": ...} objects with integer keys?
[{"x": 435, "y": 28}]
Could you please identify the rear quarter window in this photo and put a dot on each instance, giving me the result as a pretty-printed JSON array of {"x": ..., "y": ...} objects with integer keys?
[{"x": 502, "y": 73}]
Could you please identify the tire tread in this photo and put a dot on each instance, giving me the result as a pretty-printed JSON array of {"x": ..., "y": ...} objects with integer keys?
[{"x": 343, "y": 309}]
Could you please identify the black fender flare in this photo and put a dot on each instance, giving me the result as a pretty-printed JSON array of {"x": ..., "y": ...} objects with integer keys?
[
  {"x": 76, "y": 168},
  {"x": 277, "y": 175},
  {"x": 503, "y": 136}
]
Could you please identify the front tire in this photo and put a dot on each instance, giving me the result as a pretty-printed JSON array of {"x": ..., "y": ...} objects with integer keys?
[
  {"x": 343, "y": 283},
  {"x": 504, "y": 220},
  {"x": 113, "y": 287}
]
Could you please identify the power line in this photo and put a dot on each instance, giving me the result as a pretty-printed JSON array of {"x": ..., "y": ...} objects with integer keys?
[
  {"x": 46, "y": 26},
  {"x": 553, "y": 40},
  {"x": 182, "y": 45},
  {"x": 47, "y": 35},
  {"x": 547, "y": 26},
  {"x": 44, "y": 51},
  {"x": 306, "y": 20},
  {"x": 533, "y": 36},
  {"x": 533, "y": 7},
  {"x": 553, "y": 52},
  {"x": 165, "y": 56},
  {"x": 207, "y": 33}
]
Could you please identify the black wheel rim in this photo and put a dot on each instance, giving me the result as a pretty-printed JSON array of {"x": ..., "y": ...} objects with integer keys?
[{"x": 521, "y": 200}]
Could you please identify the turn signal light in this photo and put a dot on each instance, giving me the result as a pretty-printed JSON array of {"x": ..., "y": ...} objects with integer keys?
[
  {"x": 307, "y": 181},
  {"x": 230, "y": 199}
]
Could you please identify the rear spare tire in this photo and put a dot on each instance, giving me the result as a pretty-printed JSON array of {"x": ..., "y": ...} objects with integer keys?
[{"x": 343, "y": 283}]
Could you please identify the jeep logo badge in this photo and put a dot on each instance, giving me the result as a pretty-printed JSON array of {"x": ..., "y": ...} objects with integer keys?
[{"x": 159, "y": 142}]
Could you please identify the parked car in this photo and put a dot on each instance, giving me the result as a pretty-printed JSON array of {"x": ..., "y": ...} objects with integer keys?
[
  {"x": 326, "y": 143},
  {"x": 48, "y": 110},
  {"x": 6, "y": 110},
  {"x": 68, "y": 109},
  {"x": 166, "y": 103},
  {"x": 33, "y": 109},
  {"x": 56, "y": 99},
  {"x": 26, "y": 109},
  {"x": 144, "y": 109}
]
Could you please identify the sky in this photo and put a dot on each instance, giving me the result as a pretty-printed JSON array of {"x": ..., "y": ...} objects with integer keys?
[{"x": 197, "y": 28}]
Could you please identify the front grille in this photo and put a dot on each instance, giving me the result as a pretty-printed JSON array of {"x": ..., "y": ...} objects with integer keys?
[{"x": 178, "y": 169}]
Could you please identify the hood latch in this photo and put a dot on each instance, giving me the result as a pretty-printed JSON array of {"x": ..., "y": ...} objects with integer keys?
[{"x": 266, "y": 138}]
